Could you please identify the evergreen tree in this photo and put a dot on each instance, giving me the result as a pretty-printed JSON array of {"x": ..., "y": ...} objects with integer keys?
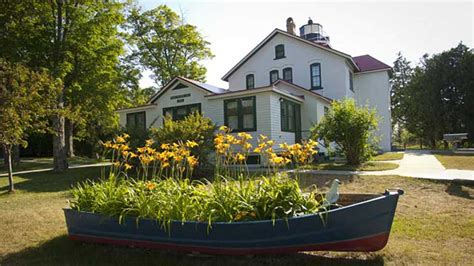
[{"x": 400, "y": 78}]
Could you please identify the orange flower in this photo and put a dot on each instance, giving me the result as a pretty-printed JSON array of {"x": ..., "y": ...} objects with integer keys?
[{"x": 150, "y": 185}]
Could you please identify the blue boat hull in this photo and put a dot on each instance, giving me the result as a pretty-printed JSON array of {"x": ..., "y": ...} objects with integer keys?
[{"x": 363, "y": 226}]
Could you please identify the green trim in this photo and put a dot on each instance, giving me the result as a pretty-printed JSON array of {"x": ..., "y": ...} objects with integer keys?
[
  {"x": 175, "y": 108},
  {"x": 134, "y": 116},
  {"x": 313, "y": 86},
  {"x": 240, "y": 115}
]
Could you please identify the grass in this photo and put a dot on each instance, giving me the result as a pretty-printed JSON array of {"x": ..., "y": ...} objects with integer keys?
[
  {"x": 434, "y": 224},
  {"x": 368, "y": 166},
  {"x": 41, "y": 163},
  {"x": 388, "y": 156},
  {"x": 452, "y": 160}
]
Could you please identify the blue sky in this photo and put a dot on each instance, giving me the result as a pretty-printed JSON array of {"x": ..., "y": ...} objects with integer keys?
[{"x": 380, "y": 28}]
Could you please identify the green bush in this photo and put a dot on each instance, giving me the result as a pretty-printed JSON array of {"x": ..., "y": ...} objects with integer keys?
[
  {"x": 351, "y": 128},
  {"x": 195, "y": 128}
]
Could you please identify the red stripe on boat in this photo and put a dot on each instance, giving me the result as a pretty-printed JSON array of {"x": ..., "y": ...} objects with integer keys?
[{"x": 370, "y": 243}]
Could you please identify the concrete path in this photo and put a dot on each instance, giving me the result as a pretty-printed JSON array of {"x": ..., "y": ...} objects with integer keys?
[
  {"x": 415, "y": 163},
  {"x": 51, "y": 169}
]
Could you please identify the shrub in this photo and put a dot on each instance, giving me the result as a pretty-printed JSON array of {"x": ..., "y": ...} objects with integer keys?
[
  {"x": 351, "y": 128},
  {"x": 195, "y": 128}
]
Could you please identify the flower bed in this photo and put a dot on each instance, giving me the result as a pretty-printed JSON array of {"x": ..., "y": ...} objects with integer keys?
[{"x": 161, "y": 188}]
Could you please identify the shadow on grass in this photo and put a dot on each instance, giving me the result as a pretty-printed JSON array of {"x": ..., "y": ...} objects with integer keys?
[
  {"x": 451, "y": 153},
  {"x": 62, "y": 251},
  {"x": 323, "y": 182},
  {"x": 54, "y": 181},
  {"x": 460, "y": 189}
]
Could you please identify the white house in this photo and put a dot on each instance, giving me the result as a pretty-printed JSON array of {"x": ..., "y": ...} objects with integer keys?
[{"x": 280, "y": 89}]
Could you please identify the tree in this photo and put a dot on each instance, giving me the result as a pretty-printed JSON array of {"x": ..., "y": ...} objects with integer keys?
[
  {"x": 130, "y": 78},
  {"x": 78, "y": 41},
  {"x": 26, "y": 99},
  {"x": 166, "y": 45},
  {"x": 351, "y": 128},
  {"x": 439, "y": 97},
  {"x": 400, "y": 78}
]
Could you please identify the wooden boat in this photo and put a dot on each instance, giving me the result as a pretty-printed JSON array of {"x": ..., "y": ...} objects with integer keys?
[{"x": 361, "y": 223}]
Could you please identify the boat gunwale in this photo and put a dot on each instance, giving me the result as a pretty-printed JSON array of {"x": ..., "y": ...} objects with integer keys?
[{"x": 386, "y": 194}]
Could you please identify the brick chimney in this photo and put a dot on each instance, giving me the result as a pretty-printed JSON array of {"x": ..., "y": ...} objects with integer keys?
[{"x": 290, "y": 26}]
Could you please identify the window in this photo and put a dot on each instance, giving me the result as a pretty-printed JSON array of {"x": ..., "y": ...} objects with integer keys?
[
  {"x": 253, "y": 159},
  {"x": 273, "y": 76},
  {"x": 136, "y": 120},
  {"x": 351, "y": 81},
  {"x": 250, "y": 81},
  {"x": 326, "y": 110},
  {"x": 289, "y": 115},
  {"x": 240, "y": 114},
  {"x": 315, "y": 70},
  {"x": 279, "y": 51},
  {"x": 180, "y": 112},
  {"x": 288, "y": 74}
]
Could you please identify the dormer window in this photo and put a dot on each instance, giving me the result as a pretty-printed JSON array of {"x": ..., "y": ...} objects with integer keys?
[
  {"x": 288, "y": 74},
  {"x": 279, "y": 51},
  {"x": 315, "y": 71},
  {"x": 273, "y": 76},
  {"x": 250, "y": 81}
]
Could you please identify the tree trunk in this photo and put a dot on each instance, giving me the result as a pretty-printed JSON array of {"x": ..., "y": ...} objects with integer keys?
[
  {"x": 69, "y": 138},
  {"x": 59, "y": 139},
  {"x": 8, "y": 156},
  {"x": 433, "y": 144},
  {"x": 59, "y": 145}
]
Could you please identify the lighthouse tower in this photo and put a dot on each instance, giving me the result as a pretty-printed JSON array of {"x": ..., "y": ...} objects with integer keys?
[{"x": 314, "y": 32}]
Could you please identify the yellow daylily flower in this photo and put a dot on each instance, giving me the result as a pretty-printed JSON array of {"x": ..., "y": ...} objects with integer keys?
[
  {"x": 191, "y": 144},
  {"x": 127, "y": 166}
]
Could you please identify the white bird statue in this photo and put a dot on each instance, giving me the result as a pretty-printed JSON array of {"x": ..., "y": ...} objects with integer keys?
[{"x": 333, "y": 194}]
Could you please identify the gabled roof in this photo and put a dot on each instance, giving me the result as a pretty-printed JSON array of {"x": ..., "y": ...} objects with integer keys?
[
  {"x": 273, "y": 86},
  {"x": 205, "y": 86},
  {"x": 189, "y": 82},
  {"x": 273, "y": 34},
  {"x": 368, "y": 63},
  {"x": 268, "y": 88},
  {"x": 138, "y": 107},
  {"x": 301, "y": 88}
]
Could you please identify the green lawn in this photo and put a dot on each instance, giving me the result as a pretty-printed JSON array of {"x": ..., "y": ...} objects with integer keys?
[
  {"x": 388, "y": 156},
  {"x": 452, "y": 160},
  {"x": 368, "y": 166},
  {"x": 41, "y": 163},
  {"x": 434, "y": 224}
]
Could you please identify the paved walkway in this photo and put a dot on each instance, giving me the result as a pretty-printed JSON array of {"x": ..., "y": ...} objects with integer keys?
[
  {"x": 415, "y": 163},
  {"x": 51, "y": 169}
]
